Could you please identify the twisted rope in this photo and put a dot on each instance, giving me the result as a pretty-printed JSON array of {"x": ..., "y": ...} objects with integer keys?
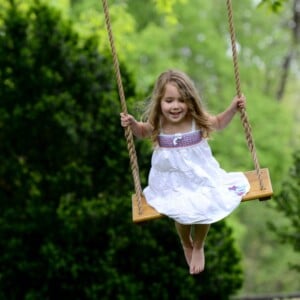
[
  {"x": 244, "y": 118},
  {"x": 128, "y": 132}
]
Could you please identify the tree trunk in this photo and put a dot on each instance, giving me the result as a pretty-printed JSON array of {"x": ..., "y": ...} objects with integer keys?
[{"x": 289, "y": 57}]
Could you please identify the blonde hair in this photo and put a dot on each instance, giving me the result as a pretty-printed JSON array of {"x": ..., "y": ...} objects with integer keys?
[{"x": 187, "y": 91}]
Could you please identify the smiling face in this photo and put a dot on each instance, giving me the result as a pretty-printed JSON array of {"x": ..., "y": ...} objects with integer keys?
[{"x": 173, "y": 107}]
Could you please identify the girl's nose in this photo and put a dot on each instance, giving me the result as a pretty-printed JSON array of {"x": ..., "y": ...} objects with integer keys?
[{"x": 176, "y": 104}]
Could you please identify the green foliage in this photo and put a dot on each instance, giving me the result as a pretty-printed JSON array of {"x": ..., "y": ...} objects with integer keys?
[
  {"x": 288, "y": 203},
  {"x": 131, "y": 262},
  {"x": 57, "y": 116},
  {"x": 65, "y": 224},
  {"x": 274, "y": 5}
]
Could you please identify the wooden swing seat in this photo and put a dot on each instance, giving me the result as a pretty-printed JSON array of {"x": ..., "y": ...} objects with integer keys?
[{"x": 149, "y": 213}]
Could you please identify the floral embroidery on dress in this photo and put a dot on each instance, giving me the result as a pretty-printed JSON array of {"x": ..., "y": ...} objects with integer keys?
[{"x": 239, "y": 190}]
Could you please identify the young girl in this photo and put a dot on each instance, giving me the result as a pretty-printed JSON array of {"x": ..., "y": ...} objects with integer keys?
[{"x": 186, "y": 182}]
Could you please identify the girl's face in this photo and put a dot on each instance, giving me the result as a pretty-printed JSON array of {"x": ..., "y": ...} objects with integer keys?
[{"x": 173, "y": 107}]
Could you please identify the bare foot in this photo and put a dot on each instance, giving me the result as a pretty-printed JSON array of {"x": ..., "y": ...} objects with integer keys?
[{"x": 197, "y": 261}]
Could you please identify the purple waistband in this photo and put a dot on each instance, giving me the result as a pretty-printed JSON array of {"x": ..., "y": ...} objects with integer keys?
[{"x": 179, "y": 140}]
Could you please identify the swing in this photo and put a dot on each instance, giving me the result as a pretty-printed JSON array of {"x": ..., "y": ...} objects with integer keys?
[{"x": 259, "y": 179}]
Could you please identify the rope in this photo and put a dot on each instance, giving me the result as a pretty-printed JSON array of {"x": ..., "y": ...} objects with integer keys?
[
  {"x": 244, "y": 118},
  {"x": 128, "y": 132}
]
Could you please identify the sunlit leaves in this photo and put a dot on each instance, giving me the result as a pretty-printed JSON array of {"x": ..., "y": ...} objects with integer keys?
[
  {"x": 166, "y": 7},
  {"x": 274, "y": 5}
]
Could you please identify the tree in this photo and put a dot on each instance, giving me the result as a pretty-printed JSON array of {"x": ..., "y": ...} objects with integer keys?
[
  {"x": 292, "y": 51},
  {"x": 65, "y": 221},
  {"x": 57, "y": 97},
  {"x": 288, "y": 203}
]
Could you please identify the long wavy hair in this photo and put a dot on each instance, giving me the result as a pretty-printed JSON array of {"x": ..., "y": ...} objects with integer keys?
[{"x": 189, "y": 94}]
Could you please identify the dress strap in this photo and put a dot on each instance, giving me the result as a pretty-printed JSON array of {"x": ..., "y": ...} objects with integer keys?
[
  {"x": 160, "y": 127},
  {"x": 193, "y": 125}
]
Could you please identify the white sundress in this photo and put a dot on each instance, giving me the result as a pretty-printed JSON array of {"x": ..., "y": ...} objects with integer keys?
[{"x": 187, "y": 184}]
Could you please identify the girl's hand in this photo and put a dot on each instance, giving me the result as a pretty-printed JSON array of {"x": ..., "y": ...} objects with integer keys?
[
  {"x": 127, "y": 120},
  {"x": 139, "y": 129},
  {"x": 239, "y": 102}
]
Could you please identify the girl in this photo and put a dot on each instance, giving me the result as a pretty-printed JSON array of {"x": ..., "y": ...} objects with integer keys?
[{"x": 186, "y": 182}]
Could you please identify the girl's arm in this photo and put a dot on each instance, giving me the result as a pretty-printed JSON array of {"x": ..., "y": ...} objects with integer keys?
[
  {"x": 139, "y": 129},
  {"x": 221, "y": 120}
]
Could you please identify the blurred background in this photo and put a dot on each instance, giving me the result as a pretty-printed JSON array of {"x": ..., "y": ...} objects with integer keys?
[{"x": 65, "y": 181}]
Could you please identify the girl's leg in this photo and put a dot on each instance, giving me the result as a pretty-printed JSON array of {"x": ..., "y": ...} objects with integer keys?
[
  {"x": 184, "y": 233},
  {"x": 198, "y": 258}
]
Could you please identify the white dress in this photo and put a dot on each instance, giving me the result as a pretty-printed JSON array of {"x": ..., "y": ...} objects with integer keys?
[{"x": 187, "y": 184}]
